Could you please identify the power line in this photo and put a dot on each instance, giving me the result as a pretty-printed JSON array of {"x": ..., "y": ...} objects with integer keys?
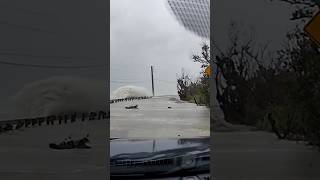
[
  {"x": 166, "y": 81},
  {"x": 127, "y": 82},
  {"x": 43, "y": 56},
  {"x": 53, "y": 67},
  {"x": 19, "y": 26}
]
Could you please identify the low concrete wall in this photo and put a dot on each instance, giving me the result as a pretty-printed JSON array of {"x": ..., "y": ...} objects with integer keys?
[
  {"x": 129, "y": 99},
  {"x": 16, "y": 124}
]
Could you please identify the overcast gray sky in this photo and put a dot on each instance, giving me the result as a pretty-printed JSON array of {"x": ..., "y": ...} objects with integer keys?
[
  {"x": 269, "y": 20},
  {"x": 145, "y": 33},
  {"x": 54, "y": 33}
]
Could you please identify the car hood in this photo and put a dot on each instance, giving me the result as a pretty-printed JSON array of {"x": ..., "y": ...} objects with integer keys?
[{"x": 139, "y": 148}]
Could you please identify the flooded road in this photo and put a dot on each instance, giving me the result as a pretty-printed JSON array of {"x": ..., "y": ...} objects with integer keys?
[
  {"x": 260, "y": 155},
  {"x": 25, "y": 153},
  {"x": 159, "y": 117}
]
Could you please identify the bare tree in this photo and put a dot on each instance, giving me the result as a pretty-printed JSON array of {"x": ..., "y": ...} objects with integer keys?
[{"x": 183, "y": 84}]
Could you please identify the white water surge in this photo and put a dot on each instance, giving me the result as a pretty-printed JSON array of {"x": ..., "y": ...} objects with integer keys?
[
  {"x": 57, "y": 95},
  {"x": 130, "y": 91}
]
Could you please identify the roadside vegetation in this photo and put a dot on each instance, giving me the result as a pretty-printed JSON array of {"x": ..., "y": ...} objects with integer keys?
[
  {"x": 196, "y": 91},
  {"x": 277, "y": 92}
]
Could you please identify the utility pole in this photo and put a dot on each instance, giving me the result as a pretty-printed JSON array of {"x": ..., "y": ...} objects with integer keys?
[{"x": 152, "y": 80}]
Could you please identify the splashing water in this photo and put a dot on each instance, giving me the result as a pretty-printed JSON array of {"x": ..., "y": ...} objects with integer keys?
[
  {"x": 58, "y": 95},
  {"x": 130, "y": 91}
]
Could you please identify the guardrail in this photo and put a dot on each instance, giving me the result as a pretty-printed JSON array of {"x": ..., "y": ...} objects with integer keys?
[
  {"x": 16, "y": 124},
  {"x": 9, "y": 125},
  {"x": 129, "y": 99}
]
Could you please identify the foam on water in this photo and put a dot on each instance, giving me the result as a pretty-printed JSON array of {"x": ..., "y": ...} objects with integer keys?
[
  {"x": 130, "y": 91},
  {"x": 57, "y": 95}
]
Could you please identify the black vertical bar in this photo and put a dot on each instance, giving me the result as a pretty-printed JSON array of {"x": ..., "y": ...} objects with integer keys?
[{"x": 152, "y": 80}]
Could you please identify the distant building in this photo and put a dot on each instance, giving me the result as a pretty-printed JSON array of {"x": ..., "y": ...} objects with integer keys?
[{"x": 194, "y": 15}]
